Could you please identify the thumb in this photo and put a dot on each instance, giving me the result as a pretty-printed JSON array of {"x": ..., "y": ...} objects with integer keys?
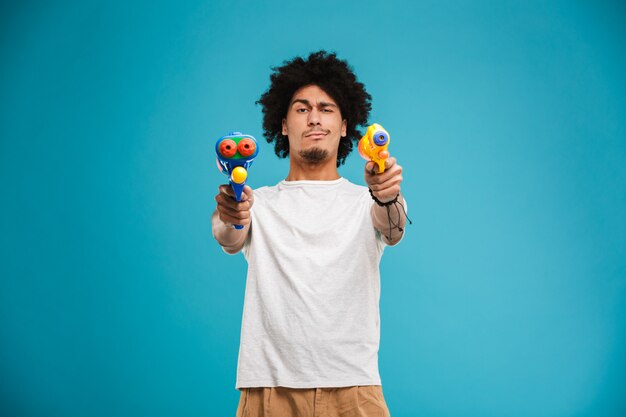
[
  {"x": 369, "y": 167},
  {"x": 247, "y": 193}
]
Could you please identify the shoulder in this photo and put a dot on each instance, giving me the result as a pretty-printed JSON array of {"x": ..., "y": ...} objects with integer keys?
[
  {"x": 354, "y": 190},
  {"x": 264, "y": 191}
]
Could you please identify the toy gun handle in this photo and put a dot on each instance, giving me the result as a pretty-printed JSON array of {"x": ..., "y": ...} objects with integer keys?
[{"x": 237, "y": 182}]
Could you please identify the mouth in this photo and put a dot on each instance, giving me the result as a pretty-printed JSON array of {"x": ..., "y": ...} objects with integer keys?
[{"x": 316, "y": 134}]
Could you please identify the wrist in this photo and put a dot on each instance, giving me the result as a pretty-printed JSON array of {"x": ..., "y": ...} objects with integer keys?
[{"x": 383, "y": 203}]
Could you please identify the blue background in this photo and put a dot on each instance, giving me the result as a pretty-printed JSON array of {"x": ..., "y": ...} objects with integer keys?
[{"x": 506, "y": 298}]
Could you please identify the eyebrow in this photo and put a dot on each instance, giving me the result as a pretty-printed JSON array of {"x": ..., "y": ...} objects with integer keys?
[{"x": 308, "y": 103}]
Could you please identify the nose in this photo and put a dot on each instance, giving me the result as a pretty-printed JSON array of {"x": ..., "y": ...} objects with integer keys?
[{"x": 314, "y": 117}]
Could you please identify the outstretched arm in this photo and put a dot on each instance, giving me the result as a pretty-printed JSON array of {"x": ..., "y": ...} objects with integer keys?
[{"x": 385, "y": 187}]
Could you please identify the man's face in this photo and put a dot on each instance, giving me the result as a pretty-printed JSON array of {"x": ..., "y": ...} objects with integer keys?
[{"x": 313, "y": 124}]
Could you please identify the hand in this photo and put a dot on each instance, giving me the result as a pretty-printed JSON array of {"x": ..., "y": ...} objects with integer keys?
[
  {"x": 231, "y": 211},
  {"x": 385, "y": 186}
]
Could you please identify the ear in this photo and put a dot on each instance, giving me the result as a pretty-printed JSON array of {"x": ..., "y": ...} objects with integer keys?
[
  {"x": 284, "y": 127},
  {"x": 344, "y": 126}
]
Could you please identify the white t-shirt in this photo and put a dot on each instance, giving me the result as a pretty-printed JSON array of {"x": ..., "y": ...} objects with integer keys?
[{"x": 311, "y": 309}]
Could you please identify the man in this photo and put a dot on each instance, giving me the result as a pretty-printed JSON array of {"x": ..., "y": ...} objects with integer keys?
[{"x": 310, "y": 327}]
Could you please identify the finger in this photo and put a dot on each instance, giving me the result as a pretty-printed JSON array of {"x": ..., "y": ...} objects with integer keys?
[
  {"x": 231, "y": 203},
  {"x": 237, "y": 212},
  {"x": 370, "y": 167},
  {"x": 227, "y": 190},
  {"x": 394, "y": 170},
  {"x": 387, "y": 191},
  {"x": 389, "y": 162},
  {"x": 233, "y": 220},
  {"x": 393, "y": 182},
  {"x": 239, "y": 215},
  {"x": 248, "y": 194}
]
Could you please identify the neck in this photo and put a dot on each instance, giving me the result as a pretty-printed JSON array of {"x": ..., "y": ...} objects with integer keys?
[{"x": 300, "y": 170}]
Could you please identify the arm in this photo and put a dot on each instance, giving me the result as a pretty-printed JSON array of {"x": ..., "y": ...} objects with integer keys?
[
  {"x": 385, "y": 187},
  {"x": 230, "y": 212}
]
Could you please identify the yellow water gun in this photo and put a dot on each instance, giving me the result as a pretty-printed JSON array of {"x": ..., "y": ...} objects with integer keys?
[{"x": 373, "y": 146}]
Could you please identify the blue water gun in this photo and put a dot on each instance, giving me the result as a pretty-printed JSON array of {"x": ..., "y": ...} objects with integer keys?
[{"x": 235, "y": 153}]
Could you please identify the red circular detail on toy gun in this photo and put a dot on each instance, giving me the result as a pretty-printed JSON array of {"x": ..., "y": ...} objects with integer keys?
[
  {"x": 246, "y": 147},
  {"x": 383, "y": 154},
  {"x": 228, "y": 148}
]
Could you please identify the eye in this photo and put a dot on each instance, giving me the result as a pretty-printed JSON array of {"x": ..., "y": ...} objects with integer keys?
[
  {"x": 228, "y": 148},
  {"x": 302, "y": 110},
  {"x": 246, "y": 147}
]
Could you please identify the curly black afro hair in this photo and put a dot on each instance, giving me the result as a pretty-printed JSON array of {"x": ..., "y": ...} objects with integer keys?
[{"x": 332, "y": 75}]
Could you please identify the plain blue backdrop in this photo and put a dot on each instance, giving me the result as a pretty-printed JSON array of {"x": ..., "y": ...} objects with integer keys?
[{"x": 507, "y": 296}]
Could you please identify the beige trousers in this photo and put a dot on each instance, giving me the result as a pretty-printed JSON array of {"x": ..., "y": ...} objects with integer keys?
[{"x": 360, "y": 401}]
